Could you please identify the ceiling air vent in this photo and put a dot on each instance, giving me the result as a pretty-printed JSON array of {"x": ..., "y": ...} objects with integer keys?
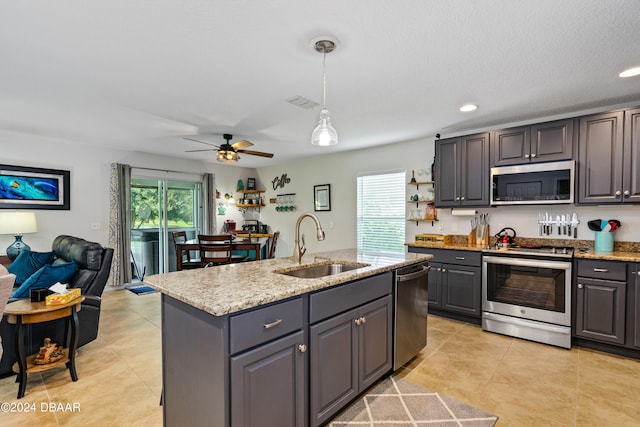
[{"x": 302, "y": 102}]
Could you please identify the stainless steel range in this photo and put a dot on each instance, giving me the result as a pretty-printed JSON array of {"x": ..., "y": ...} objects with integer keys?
[{"x": 526, "y": 293}]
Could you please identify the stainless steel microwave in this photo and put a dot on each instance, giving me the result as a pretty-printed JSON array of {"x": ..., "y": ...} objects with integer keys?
[{"x": 533, "y": 184}]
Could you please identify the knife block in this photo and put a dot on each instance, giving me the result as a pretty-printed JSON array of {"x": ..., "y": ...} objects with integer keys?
[{"x": 473, "y": 240}]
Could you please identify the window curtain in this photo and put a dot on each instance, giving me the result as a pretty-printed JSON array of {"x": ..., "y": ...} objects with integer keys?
[
  {"x": 208, "y": 198},
  {"x": 120, "y": 223}
]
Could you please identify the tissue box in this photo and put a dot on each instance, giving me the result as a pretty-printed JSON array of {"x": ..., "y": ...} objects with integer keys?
[{"x": 57, "y": 299}]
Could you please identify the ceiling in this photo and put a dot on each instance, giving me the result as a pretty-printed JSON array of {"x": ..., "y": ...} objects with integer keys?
[{"x": 142, "y": 74}]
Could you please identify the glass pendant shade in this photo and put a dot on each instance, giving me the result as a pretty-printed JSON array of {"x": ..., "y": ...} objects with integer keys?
[
  {"x": 225, "y": 156},
  {"x": 324, "y": 134}
]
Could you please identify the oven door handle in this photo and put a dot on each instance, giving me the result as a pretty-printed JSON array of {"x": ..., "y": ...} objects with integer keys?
[{"x": 526, "y": 262}]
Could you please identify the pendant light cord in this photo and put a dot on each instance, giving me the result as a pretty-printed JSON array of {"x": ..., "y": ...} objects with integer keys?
[{"x": 324, "y": 79}]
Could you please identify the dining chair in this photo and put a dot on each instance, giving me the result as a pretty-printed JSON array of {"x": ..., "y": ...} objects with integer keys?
[
  {"x": 274, "y": 241},
  {"x": 187, "y": 260},
  {"x": 215, "y": 249}
]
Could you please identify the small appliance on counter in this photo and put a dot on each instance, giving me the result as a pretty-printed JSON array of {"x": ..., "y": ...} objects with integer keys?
[
  {"x": 251, "y": 225},
  {"x": 229, "y": 225},
  {"x": 505, "y": 240}
]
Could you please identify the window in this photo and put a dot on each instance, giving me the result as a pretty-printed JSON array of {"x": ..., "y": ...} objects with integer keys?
[{"x": 381, "y": 212}]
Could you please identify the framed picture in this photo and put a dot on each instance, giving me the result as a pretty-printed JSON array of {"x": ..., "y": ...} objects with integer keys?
[
  {"x": 33, "y": 188},
  {"x": 322, "y": 197},
  {"x": 251, "y": 183}
]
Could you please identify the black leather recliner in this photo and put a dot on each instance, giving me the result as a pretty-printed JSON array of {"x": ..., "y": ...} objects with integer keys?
[{"x": 94, "y": 265}]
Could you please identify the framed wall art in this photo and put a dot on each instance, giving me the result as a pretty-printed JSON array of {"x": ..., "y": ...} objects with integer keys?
[
  {"x": 34, "y": 188},
  {"x": 322, "y": 197}
]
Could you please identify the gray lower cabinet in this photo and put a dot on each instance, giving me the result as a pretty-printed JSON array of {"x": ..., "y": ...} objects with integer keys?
[
  {"x": 455, "y": 281},
  {"x": 601, "y": 301},
  {"x": 268, "y": 384},
  {"x": 350, "y": 350},
  {"x": 269, "y": 365},
  {"x": 634, "y": 305}
]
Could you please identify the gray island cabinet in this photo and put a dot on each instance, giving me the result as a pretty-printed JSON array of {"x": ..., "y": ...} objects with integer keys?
[{"x": 243, "y": 345}]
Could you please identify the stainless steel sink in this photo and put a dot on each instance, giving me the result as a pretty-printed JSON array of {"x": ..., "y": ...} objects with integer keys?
[{"x": 320, "y": 270}]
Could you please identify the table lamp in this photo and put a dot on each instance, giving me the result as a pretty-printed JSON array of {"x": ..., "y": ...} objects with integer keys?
[{"x": 17, "y": 223}]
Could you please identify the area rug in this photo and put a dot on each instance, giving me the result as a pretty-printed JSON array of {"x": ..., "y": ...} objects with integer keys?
[
  {"x": 141, "y": 289},
  {"x": 397, "y": 402}
]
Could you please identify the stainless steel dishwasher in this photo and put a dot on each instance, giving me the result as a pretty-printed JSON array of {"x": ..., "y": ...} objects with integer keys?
[{"x": 411, "y": 301}]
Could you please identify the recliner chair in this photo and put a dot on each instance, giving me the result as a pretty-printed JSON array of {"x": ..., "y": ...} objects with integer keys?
[{"x": 94, "y": 266}]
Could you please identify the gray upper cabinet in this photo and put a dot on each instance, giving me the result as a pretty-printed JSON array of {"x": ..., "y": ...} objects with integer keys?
[
  {"x": 609, "y": 158},
  {"x": 462, "y": 171},
  {"x": 543, "y": 142}
]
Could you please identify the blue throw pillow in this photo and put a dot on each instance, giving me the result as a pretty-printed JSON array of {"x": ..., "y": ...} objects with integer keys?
[
  {"x": 45, "y": 277},
  {"x": 27, "y": 263}
]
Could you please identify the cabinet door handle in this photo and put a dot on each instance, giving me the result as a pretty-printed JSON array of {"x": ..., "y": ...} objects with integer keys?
[
  {"x": 618, "y": 193},
  {"x": 358, "y": 322},
  {"x": 444, "y": 270},
  {"x": 272, "y": 324},
  {"x": 638, "y": 273},
  {"x": 580, "y": 286},
  {"x": 363, "y": 319},
  {"x": 601, "y": 270},
  {"x": 533, "y": 155},
  {"x": 302, "y": 348},
  {"x": 526, "y": 156},
  {"x": 626, "y": 194},
  {"x": 462, "y": 198}
]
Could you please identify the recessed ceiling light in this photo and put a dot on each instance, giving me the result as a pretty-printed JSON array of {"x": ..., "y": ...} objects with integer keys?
[
  {"x": 468, "y": 107},
  {"x": 630, "y": 72}
]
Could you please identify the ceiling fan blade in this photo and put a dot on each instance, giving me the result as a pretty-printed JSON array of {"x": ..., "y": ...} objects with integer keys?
[
  {"x": 243, "y": 143},
  {"x": 255, "y": 153},
  {"x": 196, "y": 151},
  {"x": 201, "y": 142}
]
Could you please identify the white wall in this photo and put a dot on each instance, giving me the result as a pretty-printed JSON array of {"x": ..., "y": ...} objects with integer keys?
[
  {"x": 341, "y": 171},
  {"x": 90, "y": 173},
  {"x": 90, "y": 168}
]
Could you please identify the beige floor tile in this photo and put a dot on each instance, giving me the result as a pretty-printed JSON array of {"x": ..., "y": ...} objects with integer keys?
[{"x": 523, "y": 383}]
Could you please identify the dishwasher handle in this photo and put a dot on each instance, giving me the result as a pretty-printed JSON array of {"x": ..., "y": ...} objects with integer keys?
[{"x": 415, "y": 275}]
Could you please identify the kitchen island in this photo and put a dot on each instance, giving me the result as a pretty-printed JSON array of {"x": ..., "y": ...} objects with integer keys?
[{"x": 235, "y": 338}]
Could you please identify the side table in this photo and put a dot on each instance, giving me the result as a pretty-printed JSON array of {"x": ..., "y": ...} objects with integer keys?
[{"x": 24, "y": 312}]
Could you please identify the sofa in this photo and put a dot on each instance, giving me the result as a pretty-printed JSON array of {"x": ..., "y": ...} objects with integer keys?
[{"x": 93, "y": 265}]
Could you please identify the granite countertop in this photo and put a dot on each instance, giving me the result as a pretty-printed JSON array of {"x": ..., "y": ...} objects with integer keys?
[
  {"x": 230, "y": 288},
  {"x": 623, "y": 251}
]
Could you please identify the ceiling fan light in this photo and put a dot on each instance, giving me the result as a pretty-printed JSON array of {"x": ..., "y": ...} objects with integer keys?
[
  {"x": 226, "y": 156},
  {"x": 324, "y": 134}
]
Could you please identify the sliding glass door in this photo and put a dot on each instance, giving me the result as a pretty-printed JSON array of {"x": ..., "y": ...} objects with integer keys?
[{"x": 158, "y": 208}]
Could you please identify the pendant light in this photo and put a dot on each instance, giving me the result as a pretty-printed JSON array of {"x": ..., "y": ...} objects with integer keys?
[{"x": 324, "y": 134}]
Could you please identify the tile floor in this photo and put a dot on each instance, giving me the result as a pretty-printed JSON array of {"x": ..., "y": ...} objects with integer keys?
[{"x": 524, "y": 383}]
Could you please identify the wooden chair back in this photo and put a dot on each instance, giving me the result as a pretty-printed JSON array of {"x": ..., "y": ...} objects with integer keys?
[
  {"x": 215, "y": 249},
  {"x": 274, "y": 241},
  {"x": 189, "y": 259}
]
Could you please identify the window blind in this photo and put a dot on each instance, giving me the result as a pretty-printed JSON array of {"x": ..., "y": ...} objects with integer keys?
[{"x": 381, "y": 212}]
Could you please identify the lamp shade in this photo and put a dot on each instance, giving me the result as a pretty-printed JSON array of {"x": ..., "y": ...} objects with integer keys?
[
  {"x": 324, "y": 134},
  {"x": 17, "y": 223}
]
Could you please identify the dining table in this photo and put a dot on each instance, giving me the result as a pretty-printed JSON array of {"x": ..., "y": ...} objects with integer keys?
[{"x": 241, "y": 242}]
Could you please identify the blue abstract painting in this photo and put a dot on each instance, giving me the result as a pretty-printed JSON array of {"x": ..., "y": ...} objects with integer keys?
[{"x": 29, "y": 188}]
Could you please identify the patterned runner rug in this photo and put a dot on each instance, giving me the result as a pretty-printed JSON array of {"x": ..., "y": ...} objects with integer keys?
[{"x": 397, "y": 402}]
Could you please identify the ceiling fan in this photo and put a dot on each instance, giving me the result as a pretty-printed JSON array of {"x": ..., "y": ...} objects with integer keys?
[{"x": 228, "y": 153}]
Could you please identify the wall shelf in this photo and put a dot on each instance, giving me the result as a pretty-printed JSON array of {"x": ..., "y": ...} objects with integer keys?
[{"x": 419, "y": 183}]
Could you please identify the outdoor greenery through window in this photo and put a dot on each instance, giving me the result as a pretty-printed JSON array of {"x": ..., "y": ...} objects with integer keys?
[
  {"x": 381, "y": 212},
  {"x": 145, "y": 204}
]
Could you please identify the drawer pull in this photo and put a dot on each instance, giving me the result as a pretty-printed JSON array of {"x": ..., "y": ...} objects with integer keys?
[
  {"x": 601, "y": 270},
  {"x": 461, "y": 258},
  {"x": 272, "y": 324}
]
